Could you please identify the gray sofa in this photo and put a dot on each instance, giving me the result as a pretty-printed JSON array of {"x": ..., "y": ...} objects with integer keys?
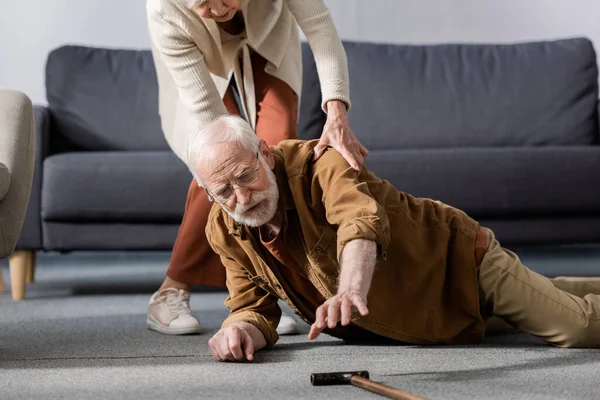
[{"x": 509, "y": 133}]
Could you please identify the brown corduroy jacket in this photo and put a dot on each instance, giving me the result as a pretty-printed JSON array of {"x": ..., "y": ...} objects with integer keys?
[{"x": 424, "y": 288}]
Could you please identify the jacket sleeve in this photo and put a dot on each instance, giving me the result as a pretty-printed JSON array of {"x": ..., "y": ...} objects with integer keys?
[
  {"x": 187, "y": 67},
  {"x": 348, "y": 203},
  {"x": 314, "y": 19},
  {"x": 247, "y": 301}
]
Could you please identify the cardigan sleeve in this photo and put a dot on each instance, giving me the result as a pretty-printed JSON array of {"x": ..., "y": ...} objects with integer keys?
[
  {"x": 314, "y": 19},
  {"x": 187, "y": 67}
]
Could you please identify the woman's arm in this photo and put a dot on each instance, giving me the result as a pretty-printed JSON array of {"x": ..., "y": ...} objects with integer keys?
[
  {"x": 186, "y": 65},
  {"x": 314, "y": 19}
]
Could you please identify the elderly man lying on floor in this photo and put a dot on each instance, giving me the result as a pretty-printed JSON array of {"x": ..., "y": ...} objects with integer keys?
[{"x": 329, "y": 241}]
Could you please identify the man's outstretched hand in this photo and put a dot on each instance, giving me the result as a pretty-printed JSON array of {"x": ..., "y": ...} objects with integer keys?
[
  {"x": 233, "y": 343},
  {"x": 338, "y": 309}
]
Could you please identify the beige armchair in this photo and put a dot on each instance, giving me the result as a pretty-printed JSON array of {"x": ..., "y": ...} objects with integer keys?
[{"x": 17, "y": 153}]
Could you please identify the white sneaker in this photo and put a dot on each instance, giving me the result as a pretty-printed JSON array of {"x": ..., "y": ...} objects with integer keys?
[
  {"x": 288, "y": 326},
  {"x": 169, "y": 312}
]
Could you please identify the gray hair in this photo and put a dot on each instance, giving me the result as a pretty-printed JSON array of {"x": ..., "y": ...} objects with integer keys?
[
  {"x": 194, "y": 3},
  {"x": 228, "y": 128}
]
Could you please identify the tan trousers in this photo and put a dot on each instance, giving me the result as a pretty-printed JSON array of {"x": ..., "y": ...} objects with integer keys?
[{"x": 535, "y": 304}]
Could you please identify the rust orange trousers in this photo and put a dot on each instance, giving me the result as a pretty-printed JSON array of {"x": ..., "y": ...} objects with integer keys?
[{"x": 193, "y": 262}]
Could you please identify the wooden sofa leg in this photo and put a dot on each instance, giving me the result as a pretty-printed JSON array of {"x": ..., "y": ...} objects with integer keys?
[
  {"x": 19, "y": 263},
  {"x": 2, "y": 287},
  {"x": 30, "y": 277}
]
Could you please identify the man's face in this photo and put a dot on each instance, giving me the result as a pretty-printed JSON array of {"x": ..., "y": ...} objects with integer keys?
[
  {"x": 219, "y": 10},
  {"x": 241, "y": 183}
]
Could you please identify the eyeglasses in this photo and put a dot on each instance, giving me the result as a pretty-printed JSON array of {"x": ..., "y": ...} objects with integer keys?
[{"x": 225, "y": 194}]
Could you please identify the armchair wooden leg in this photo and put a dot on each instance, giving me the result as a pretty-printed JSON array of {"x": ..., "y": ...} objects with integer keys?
[
  {"x": 31, "y": 269},
  {"x": 2, "y": 287},
  {"x": 19, "y": 263}
]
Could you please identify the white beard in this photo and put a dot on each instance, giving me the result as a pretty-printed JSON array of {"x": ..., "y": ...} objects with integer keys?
[{"x": 266, "y": 210}]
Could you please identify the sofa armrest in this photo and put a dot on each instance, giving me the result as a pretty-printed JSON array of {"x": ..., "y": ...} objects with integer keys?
[
  {"x": 31, "y": 234},
  {"x": 17, "y": 147}
]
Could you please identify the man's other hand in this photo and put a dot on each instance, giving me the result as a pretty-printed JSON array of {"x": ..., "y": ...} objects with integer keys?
[{"x": 233, "y": 343}]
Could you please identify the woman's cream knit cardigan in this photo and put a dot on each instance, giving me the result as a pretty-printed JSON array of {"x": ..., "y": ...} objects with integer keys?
[{"x": 194, "y": 68}]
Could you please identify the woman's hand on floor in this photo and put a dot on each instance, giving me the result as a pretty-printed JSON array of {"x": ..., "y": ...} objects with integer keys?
[{"x": 338, "y": 134}]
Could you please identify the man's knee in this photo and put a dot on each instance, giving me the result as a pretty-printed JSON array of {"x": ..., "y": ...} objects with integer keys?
[{"x": 583, "y": 333}]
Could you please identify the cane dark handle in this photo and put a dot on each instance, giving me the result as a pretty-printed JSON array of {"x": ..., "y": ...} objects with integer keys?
[{"x": 335, "y": 378}]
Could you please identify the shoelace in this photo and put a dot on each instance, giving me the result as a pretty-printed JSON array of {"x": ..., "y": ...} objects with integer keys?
[{"x": 178, "y": 302}]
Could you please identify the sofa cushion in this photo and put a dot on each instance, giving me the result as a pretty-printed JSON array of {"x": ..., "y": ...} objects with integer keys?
[
  {"x": 128, "y": 187},
  {"x": 312, "y": 118},
  {"x": 105, "y": 99},
  {"x": 72, "y": 236},
  {"x": 432, "y": 96},
  {"x": 4, "y": 180},
  {"x": 499, "y": 182}
]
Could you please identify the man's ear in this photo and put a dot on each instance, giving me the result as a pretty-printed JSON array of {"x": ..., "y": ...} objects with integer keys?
[{"x": 267, "y": 154}]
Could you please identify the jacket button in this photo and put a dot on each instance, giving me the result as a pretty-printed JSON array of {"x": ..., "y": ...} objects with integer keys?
[
  {"x": 318, "y": 249},
  {"x": 277, "y": 286}
]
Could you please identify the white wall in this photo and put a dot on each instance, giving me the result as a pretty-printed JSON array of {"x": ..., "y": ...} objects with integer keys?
[
  {"x": 31, "y": 28},
  {"x": 426, "y": 21}
]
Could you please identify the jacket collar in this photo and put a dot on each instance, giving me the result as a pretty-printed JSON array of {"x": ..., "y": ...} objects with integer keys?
[{"x": 286, "y": 200}]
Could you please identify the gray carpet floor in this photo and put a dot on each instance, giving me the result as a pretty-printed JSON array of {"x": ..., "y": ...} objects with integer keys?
[{"x": 81, "y": 334}]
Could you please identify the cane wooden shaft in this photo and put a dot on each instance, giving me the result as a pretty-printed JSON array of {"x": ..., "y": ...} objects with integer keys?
[{"x": 382, "y": 389}]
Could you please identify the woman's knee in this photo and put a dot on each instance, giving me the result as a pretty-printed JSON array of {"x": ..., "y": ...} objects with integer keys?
[{"x": 276, "y": 125}]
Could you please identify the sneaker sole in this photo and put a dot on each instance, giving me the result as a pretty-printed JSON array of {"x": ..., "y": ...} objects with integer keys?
[
  {"x": 288, "y": 331},
  {"x": 154, "y": 325}
]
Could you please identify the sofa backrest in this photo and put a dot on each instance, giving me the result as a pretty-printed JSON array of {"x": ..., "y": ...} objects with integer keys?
[
  {"x": 104, "y": 99},
  {"x": 403, "y": 96},
  {"x": 429, "y": 96}
]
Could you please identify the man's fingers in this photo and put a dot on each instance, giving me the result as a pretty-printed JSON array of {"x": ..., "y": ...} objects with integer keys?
[
  {"x": 225, "y": 351},
  {"x": 216, "y": 346},
  {"x": 232, "y": 345},
  {"x": 361, "y": 306},
  {"x": 314, "y": 332},
  {"x": 235, "y": 345},
  {"x": 212, "y": 345},
  {"x": 321, "y": 316},
  {"x": 346, "y": 310},
  {"x": 248, "y": 347},
  {"x": 216, "y": 354},
  {"x": 333, "y": 314},
  {"x": 219, "y": 354},
  {"x": 320, "y": 321}
]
